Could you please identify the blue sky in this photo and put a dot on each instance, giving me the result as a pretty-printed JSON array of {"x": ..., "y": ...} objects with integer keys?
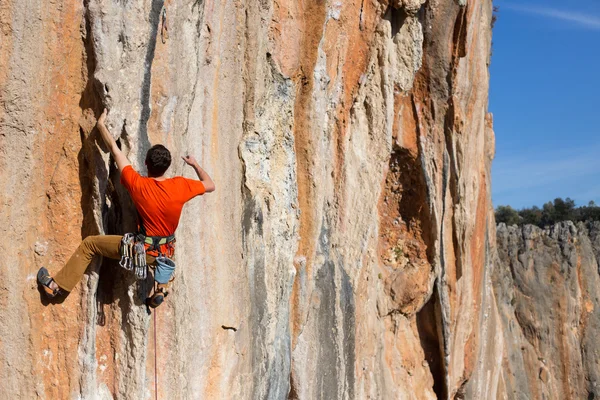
[{"x": 545, "y": 97}]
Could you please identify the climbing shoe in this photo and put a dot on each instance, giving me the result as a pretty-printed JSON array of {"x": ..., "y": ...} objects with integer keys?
[
  {"x": 44, "y": 280},
  {"x": 157, "y": 298}
]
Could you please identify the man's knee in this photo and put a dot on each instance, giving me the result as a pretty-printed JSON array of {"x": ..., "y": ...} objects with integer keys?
[{"x": 88, "y": 242}]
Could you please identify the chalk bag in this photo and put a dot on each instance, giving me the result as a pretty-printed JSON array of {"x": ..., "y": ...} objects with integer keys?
[{"x": 165, "y": 267}]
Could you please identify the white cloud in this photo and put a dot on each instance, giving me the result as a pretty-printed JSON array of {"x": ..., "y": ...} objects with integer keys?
[{"x": 583, "y": 20}]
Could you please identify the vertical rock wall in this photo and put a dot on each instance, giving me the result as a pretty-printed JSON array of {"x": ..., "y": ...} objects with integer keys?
[
  {"x": 547, "y": 283},
  {"x": 347, "y": 249}
]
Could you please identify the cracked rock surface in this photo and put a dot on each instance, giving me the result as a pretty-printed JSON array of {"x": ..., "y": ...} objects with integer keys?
[
  {"x": 547, "y": 281},
  {"x": 347, "y": 252}
]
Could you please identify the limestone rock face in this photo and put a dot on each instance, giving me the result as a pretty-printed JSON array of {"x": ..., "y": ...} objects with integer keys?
[
  {"x": 347, "y": 251},
  {"x": 547, "y": 283}
]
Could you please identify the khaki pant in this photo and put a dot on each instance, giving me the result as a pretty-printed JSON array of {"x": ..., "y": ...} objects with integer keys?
[{"x": 104, "y": 245}]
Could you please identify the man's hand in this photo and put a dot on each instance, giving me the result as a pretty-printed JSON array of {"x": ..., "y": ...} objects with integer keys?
[
  {"x": 119, "y": 157},
  {"x": 209, "y": 185},
  {"x": 106, "y": 136},
  {"x": 190, "y": 160},
  {"x": 102, "y": 118}
]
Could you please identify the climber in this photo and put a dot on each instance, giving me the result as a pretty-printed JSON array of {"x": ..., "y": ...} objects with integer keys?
[{"x": 159, "y": 202}]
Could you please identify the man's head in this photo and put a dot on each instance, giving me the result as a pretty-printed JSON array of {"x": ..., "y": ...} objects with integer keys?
[{"x": 158, "y": 160}]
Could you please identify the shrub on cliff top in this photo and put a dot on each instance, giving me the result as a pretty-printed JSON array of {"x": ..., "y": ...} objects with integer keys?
[
  {"x": 508, "y": 215},
  {"x": 551, "y": 213}
]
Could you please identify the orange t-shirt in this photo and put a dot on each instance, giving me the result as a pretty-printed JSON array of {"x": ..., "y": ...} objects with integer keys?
[{"x": 159, "y": 203}]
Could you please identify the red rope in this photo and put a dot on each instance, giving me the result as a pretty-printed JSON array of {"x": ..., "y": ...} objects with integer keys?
[{"x": 155, "y": 358}]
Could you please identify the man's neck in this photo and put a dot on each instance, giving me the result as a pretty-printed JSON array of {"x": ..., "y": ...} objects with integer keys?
[{"x": 158, "y": 178}]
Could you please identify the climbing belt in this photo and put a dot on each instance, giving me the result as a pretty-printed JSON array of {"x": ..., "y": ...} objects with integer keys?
[
  {"x": 158, "y": 246},
  {"x": 133, "y": 255}
]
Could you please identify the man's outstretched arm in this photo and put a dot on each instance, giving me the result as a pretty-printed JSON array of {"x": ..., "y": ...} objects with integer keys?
[
  {"x": 117, "y": 154},
  {"x": 209, "y": 185}
]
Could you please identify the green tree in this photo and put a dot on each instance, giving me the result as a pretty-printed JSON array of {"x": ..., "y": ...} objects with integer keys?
[
  {"x": 551, "y": 213},
  {"x": 531, "y": 216},
  {"x": 564, "y": 209},
  {"x": 548, "y": 214},
  {"x": 507, "y": 215},
  {"x": 589, "y": 213}
]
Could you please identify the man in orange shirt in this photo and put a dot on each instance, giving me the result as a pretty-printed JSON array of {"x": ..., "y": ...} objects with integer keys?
[{"x": 158, "y": 200}]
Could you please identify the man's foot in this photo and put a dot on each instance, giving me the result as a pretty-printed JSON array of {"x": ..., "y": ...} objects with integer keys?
[
  {"x": 51, "y": 289},
  {"x": 157, "y": 298}
]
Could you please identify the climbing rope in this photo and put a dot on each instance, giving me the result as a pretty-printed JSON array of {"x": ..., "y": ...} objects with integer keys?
[{"x": 155, "y": 358}]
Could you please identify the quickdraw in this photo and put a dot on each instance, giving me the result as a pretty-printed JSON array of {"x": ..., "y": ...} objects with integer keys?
[{"x": 133, "y": 255}]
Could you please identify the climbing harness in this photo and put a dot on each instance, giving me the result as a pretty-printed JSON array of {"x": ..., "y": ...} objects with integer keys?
[
  {"x": 163, "y": 249},
  {"x": 133, "y": 250},
  {"x": 133, "y": 255},
  {"x": 157, "y": 246}
]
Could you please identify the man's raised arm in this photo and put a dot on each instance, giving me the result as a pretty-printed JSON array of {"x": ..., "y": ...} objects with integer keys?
[
  {"x": 209, "y": 185},
  {"x": 117, "y": 154}
]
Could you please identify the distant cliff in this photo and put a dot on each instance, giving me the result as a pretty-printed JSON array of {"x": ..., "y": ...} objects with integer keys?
[{"x": 547, "y": 285}]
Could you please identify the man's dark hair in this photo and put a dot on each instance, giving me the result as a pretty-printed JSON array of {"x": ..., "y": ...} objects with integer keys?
[{"x": 158, "y": 160}]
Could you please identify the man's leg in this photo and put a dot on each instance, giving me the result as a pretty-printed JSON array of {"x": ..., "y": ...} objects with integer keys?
[{"x": 104, "y": 245}]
